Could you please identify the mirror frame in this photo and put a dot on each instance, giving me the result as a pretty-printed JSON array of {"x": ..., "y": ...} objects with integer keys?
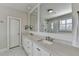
[{"x": 38, "y": 16}]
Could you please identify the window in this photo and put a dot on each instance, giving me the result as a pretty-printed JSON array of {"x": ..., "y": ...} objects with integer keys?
[
  {"x": 65, "y": 25},
  {"x": 52, "y": 25},
  {"x": 62, "y": 25},
  {"x": 69, "y": 25}
]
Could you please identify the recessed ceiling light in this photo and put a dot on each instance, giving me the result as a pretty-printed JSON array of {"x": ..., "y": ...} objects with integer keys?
[{"x": 50, "y": 10}]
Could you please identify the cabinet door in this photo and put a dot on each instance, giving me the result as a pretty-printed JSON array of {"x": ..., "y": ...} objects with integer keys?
[
  {"x": 44, "y": 53},
  {"x": 36, "y": 53},
  {"x": 36, "y": 50},
  {"x": 29, "y": 48},
  {"x": 57, "y": 53},
  {"x": 27, "y": 44},
  {"x": 29, "y": 51}
]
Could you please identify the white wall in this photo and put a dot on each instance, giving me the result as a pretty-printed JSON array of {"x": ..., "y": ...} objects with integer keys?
[
  {"x": 4, "y": 12},
  {"x": 75, "y": 8}
]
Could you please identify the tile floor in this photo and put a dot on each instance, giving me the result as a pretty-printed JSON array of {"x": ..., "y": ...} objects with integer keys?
[{"x": 18, "y": 51}]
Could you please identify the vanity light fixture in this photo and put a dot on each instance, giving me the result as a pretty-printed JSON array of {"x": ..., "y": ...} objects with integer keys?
[
  {"x": 50, "y": 10},
  {"x": 26, "y": 27},
  {"x": 31, "y": 27}
]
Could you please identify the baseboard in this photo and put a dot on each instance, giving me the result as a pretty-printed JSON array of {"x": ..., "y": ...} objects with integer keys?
[{"x": 2, "y": 50}]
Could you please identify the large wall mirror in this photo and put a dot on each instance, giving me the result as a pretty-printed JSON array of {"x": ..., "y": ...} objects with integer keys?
[
  {"x": 56, "y": 17},
  {"x": 34, "y": 20}
]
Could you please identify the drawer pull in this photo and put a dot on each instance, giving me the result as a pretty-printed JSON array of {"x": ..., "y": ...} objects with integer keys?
[{"x": 38, "y": 49}]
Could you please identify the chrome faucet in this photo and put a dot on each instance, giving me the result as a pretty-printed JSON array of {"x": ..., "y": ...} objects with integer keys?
[{"x": 49, "y": 38}]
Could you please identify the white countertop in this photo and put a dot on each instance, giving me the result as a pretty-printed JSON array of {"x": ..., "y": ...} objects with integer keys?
[{"x": 58, "y": 48}]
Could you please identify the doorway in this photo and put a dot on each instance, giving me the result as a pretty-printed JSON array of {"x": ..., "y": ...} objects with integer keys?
[{"x": 13, "y": 32}]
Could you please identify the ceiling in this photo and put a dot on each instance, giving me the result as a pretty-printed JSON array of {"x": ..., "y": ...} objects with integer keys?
[
  {"x": 24, "y": 7},
  {"x": 59, "y": 9}
]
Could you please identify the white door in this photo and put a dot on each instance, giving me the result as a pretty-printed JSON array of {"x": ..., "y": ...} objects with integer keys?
[
  {"x": 3, "y": 33},
  {"x": 14, "y": 28}
]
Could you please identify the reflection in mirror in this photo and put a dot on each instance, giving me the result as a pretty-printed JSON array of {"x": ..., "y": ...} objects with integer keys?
[
  {"x": 59, "y": 24},
  {"x": 33, "y": 20},
  {"x": 56, "y": 17}
]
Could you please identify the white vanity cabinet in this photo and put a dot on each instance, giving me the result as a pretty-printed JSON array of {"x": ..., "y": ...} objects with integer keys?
[
  {"x": 33, "y": 48},
  {"x": 27, "y": 44},
  {"x": 38, "y": 51}
]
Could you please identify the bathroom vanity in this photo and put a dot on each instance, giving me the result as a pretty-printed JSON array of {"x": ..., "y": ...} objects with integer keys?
[{"x": 34, "y": 46}]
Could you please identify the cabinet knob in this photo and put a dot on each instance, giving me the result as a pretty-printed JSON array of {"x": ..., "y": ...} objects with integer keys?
[{"x": 38, "y": 49}]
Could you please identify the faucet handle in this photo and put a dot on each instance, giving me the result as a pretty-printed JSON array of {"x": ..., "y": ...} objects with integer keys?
[{"x": 47, "y": 37}]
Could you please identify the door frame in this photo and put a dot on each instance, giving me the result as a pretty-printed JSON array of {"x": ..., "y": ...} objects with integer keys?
[{"x": 8, "y": 30}]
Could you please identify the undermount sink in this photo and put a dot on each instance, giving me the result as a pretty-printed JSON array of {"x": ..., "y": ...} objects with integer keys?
[
  {"x": 47, "y": 42},
  {"x": 40, "y": 40}
]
